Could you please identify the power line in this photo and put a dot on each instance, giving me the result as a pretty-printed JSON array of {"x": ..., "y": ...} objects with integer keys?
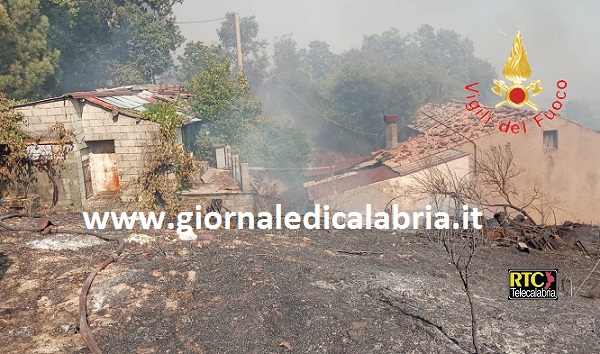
[
  {"x": 202, "y": 21},
  {"x": 320, "y": 114}
]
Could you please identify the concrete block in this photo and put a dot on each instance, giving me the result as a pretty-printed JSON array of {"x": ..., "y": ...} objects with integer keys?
[
  {"x": 25, "y": 111},
  {"x": 32, "y": 120},
  {"x": 134, "y": 150},
  {"x": 44, "y": 117},
  {"x": 61, "y": 111},
  {"x": 100, "y": 130},
  {"x": 133, "y": 157},
  {"x": 207, "y": 176},
  {"x": 128, "y": 143}
]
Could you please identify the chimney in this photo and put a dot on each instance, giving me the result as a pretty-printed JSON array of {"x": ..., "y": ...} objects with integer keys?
[{"x": 391, "y": 131}]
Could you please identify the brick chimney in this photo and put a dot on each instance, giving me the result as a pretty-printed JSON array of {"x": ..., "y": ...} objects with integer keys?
[{"x": 391, "y": 131}]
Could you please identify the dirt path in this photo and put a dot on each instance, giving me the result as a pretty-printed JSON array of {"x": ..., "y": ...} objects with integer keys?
[{"x": 251, "y": 292}]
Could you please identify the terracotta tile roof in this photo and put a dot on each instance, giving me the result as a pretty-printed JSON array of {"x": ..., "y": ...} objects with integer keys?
[
  {"x": 434, "y": 160},
  {"x": 443, "y": 126},
  {"x": 440, "y": 128}
]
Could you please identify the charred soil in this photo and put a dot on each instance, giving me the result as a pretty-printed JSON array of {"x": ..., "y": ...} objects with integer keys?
[{"x": 278, "y": 292}]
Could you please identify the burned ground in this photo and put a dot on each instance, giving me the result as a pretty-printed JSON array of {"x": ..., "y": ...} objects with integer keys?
[{"x": 278, "y": 292}]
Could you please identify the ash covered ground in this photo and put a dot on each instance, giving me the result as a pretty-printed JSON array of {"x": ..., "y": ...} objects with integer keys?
[{"x": 283, "y": 292}]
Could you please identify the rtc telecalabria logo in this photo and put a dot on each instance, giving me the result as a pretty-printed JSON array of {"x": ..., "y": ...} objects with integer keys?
[{"x": 517, "y": 70}]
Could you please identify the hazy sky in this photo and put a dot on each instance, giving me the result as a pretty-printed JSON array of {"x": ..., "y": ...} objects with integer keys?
[{"x": 561, "y": 37}]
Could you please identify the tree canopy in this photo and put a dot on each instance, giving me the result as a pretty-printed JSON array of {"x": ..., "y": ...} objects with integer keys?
[
  {"x": 59, "y": 46},
  {"x": 192, "y": 62},
  {"x": 347, "y": 95},
  {"x": 28, "y": 65},
  {"x": 255, "y": 58},
  {"x": 106, "y": 43}
]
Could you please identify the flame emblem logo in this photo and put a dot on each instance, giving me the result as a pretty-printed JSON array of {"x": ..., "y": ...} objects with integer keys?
[{"x": 517, "y": 70}]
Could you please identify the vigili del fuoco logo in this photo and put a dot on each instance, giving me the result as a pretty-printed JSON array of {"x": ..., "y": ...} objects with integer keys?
[
  {"x": 517, "y": 70},
  {"x": 517, "y": 94}
]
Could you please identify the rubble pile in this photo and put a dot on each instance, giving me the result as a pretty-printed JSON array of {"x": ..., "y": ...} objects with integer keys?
[{"x": 520, "y": 230}]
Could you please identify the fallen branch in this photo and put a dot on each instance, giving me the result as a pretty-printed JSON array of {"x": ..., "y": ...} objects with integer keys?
[{"x": 360, "y": 253}]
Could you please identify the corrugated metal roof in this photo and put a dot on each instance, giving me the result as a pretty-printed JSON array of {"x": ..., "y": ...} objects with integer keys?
[
  {"x": 127, "y": 102},
  {"x": 122, "y": 101},
  {"x": 99, "y": 94}
]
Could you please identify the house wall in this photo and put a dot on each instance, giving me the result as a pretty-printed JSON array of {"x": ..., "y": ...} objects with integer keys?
[
  {"x": 134, "y": 141},
  {"x": 399, "y": 189},
  {"x": 38, "y": 121},
  {"x": 569, "y": 173}
]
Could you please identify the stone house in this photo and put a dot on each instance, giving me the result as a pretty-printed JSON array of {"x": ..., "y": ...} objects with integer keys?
[
  {"x": 109, "y": 145},
  {"x": 559, "y": 156}
]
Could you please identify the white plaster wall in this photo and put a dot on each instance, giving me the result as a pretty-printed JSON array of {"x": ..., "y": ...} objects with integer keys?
[
  {"x": 569, "y": 176},
  {"x": 396, "y": 190}
]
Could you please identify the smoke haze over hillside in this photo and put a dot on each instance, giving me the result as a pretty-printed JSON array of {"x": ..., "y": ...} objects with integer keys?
[{"x": 558, "y": 36}]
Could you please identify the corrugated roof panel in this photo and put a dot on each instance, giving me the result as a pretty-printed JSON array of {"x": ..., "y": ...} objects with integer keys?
[{"x": 128, "y": 102}]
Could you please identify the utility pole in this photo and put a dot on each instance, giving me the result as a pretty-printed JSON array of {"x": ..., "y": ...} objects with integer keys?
[{"x": 238, "y": 39}]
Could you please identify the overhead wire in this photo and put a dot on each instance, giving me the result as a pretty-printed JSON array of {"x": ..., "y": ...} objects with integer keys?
[
  {"x": 291, "y": 92},
  {"x": 320, "y": 114},
  {"x": 200, "y": 21}
]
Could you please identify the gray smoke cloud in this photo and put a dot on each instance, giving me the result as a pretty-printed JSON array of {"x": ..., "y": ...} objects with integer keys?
[{"x": 559, "y": 36}]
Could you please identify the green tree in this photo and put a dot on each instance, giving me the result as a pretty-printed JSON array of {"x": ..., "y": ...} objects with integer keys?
[
  {"x": 79, "y": 30},
  {"x": 389, "y": 46},
  {"x": 288, "y": 63},
  {"x": 273, "y": 144},
  {"x": 319, "y": 60},
  {"x": 286, "y": 55},
  {"x": 290, "y": 88},
  {"x": 28, "y": 67},
  {"x": 388, "y": 74},
  {"x": 192, "y": 62},
  {"x": 143, "y": 45},
  {"x": 454, "y": 59},
  {"x": 255, "y": 58},
  {"x": 223, "y": 100},
  {"x": 12, "y": 149},
  {"x": 112, "y": 42},
  {"x": 361, "y": 91},
  {"x": 169, "y": 168}
]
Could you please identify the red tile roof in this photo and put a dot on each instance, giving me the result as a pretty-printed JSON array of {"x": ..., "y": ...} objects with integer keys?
[{"x": 443, "y": 126}]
